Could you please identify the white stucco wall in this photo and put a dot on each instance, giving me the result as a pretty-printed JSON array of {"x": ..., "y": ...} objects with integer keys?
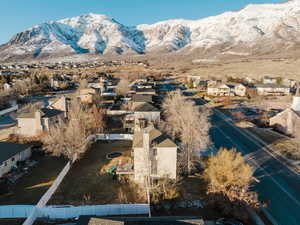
[
  {"x": 167, "y": 162},
  {"x": 29, "y": 127}
]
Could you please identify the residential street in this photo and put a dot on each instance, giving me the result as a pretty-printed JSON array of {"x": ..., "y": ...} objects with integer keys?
[{"x": 278, "y": 184}]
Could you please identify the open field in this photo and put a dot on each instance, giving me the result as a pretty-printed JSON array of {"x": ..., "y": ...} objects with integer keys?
[{"x": 255, "y": 68}]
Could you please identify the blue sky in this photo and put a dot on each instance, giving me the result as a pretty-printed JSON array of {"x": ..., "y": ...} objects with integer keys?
[{"x": 17, "y": 15}]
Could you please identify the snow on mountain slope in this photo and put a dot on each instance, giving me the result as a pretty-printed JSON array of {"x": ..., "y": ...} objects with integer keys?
[{"x": 256, "y": 28}]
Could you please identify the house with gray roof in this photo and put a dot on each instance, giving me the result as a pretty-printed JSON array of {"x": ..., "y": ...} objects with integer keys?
[
  {"x": 145, "y": 91},
  {"x": 288, "y": 121},
  {"x": 145, "y": 112},
  {"x": 138, "y": 99},
  {"x": 155, "y": 152},
  {"x": 11, "y": 154}
]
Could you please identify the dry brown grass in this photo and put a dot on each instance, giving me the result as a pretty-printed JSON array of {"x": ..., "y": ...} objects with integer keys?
[
  {"x": 270, "y": 102},
  {"x": 289, "y": 148},
  {"x": 85, "y": 184},
  {"x": 255, "y": 68},
  {"x": 115, "y": 162},
  {"x": 29, "y": 189}
]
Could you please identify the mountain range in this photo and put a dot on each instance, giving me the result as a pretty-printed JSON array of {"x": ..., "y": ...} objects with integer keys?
[{"x": 254, "y": 30}]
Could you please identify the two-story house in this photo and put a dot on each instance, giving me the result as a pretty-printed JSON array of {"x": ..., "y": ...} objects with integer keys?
[
  {"x": 155, "y": 155},
  {"x": 220, "y": 90},
  {"x": 35, "y": 123}
]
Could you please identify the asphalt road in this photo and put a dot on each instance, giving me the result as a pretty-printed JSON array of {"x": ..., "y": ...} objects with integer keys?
[{"x": 277, "y": 183}]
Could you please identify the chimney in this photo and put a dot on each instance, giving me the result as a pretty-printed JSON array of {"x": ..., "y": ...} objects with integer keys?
[
  {"x": 146, "y": 152},
  {"x": 296, "y": 101}
]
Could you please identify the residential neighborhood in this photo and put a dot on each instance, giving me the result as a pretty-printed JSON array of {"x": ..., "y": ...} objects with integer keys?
[{"x": 134, "y": 120}]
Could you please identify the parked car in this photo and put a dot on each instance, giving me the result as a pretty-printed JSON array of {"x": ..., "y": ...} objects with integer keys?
[{"x": 224, "y": 221}]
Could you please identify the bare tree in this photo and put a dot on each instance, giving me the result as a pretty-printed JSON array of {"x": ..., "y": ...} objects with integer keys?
[
  {"x": 164, "y": 189},
  {"x": 25, "y": 86},
  {"x": 31, "y": 107},
  {"x": 5, "y": 96},
  {"x": 70, "y": 137},
  {"x": 98, "y": 118},
  {"x": 123, "y": 87},
  {"x": 188, "y": 122},
  {"x": 229, "y": 178}
]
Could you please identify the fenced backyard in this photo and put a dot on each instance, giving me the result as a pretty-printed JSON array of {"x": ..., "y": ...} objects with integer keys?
[{"x": 89, "y": 182}]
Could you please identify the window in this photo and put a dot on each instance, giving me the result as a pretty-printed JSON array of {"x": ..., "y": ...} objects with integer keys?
[{"x": 13, "y": 159}]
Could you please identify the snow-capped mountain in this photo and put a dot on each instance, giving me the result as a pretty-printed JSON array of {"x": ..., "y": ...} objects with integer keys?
[{"x": 256, "y": 29}]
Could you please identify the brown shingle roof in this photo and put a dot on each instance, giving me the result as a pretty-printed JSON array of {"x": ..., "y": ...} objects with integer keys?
[
  {"x": 146, "y": 107},
  {"x": 157, "y": 139},
  {"x": 142, "y": 98}
]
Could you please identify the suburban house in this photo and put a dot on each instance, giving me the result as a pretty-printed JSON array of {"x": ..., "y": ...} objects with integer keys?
[
  {"x": 141, "y": 108},
  {"x": 86, "y": 95},
  {"x": 144, "y": 85},
  {"x": 289, "y": 82},
  {"x": 239, "y": 89},
  {"x": 154, "y": 155},
  {"x": 220, "y": 90},
  {"x": 145, "y": 91},
  {"x": 145, "y": 112},
  {"x": 288, "y": 121},
  {"x": 269, "y": 80},
  {"x": 138, "y": 99},
  {"x": 11, "y": 154},
  {"x": 249, "y": 80},
  {"x": 141, "y": 80},
  {"x": 99, "y": 86},
  {"x": 34, "y": 123},
  {"x": 271, "y": 89},
  {"x": 58, "y": 83},
  {"x": 194, "y": 79},
  {"x": 61, "y": 104},
  {"x": 213, "y": 82}
]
